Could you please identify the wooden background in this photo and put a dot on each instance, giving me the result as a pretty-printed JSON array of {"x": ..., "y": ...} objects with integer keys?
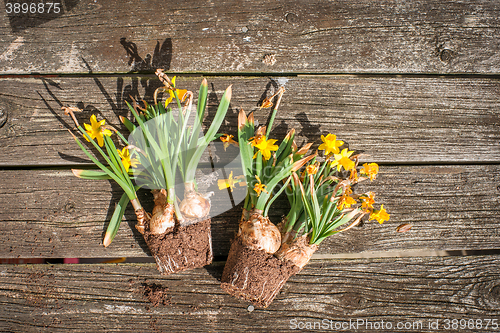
[{"x": 413, "y": 84}]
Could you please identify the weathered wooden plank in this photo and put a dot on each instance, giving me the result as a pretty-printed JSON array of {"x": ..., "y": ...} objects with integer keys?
[
  {"x": 50, "y": 213},
  {"x": 394, "y": 119},
  {"x": 425, "y": 36},
  {"x": 409, "y": 291}
]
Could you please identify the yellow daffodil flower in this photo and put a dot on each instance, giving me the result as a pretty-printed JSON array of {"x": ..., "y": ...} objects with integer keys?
[
  {"x": 95, "y": 130},
  {"x": 330, "y": 144},
  {"x": 264, "y": 146},
  {"x": 312, "y": 169},
  {"x": 259, "y": 187},
  {"x": 227, "y": 183},
  {"x": 380, "y": 215},
  {"x": 126, "y": 160},
  {"x": 346, "y": 201},
  {"x": 343, "y": 160},
  {"x": 367, "y": 201},
  {"x": 255, "y": 140},
  {"x": 227, "y": 139},
  {"x": 371, "y": 170},
  {"x": 180, "y": 93}
]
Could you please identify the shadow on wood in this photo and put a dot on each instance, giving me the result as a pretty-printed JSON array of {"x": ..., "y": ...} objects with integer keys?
[{"x": 162, "y": 56}]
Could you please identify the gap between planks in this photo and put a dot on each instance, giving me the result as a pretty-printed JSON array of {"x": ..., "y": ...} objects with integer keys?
[
  {"x": 52, "y": 167},
  {"x": 150, "y": 74}
]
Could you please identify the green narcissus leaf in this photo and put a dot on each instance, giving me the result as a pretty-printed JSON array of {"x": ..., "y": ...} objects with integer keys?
[
  {"x": 245, "y": 132},
  {"x": 285, "y": 148},
  {"x": 202, "y": 101},
  {"x": 91, "y": 174},
  {"x": 123, "y": 184},
  {"x": 116, "y": 219},
  {"x": 209, "y": 135},
  {"x": 128, "y": 124}
]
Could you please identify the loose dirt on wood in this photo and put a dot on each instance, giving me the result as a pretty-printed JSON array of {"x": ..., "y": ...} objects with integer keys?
[{"x": 156, "y": 294}]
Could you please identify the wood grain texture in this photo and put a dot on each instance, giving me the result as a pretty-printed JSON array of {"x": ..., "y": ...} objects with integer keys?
[
  {"x": 88, "y": 298},
  {"x": 362, "y": 36},
  {"x": 393, "y": 119},
  {"x": 436, "y": 137},
  {"x": 51, "y": 214}
]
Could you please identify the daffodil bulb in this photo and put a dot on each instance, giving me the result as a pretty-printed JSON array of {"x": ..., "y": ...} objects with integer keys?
[
  {"x": 259, "y": 233},
  {"x": 194, "y": 205},
  {"x": 163, "y": 213},
  {"x": 298, "y": 251}
]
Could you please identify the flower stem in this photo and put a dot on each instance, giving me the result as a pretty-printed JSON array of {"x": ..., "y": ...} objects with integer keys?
[{"x": 275, "y": 110}]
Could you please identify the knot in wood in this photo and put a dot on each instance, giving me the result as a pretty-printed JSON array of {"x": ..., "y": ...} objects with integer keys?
[
  {"x": 495, "y": 293},
  {"x": 69, "y": 207},
  {"x": 446, "y": 55},
  {"x": 352, "y": 300},
  {"x": 3, "y": 116},
  {"x": 292, "y": 18}
]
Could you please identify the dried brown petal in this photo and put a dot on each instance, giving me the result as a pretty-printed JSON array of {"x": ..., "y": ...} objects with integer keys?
[
  {"x": 404, "y": 227},
  {"x": 261, "y": 131},
  {"x": 242, "y": 119},
  {"x": 303, "y": 150},
  {"x": 69, "y": 109},
  {"x": 251, "y": 120}
]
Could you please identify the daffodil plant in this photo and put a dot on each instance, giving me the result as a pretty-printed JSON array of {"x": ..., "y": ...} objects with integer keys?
[
  {"x": 117, "y": 168},
  {"x": 159, "y": 145},
  {"x": 265, "y": 166},
  {"x": 175, "y": 145},
  {"x": 322, "y": 202}
]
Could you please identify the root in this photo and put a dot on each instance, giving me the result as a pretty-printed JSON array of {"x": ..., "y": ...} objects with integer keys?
[
  {"x": 166, "y": 267},
  {"x": 273, "y": 294},
  {"x": 245, "y": 271},
  {"x": 210, "y": 253},
  {"x": 235, "y": 277},
  {"x": 180, "y": 248}
]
